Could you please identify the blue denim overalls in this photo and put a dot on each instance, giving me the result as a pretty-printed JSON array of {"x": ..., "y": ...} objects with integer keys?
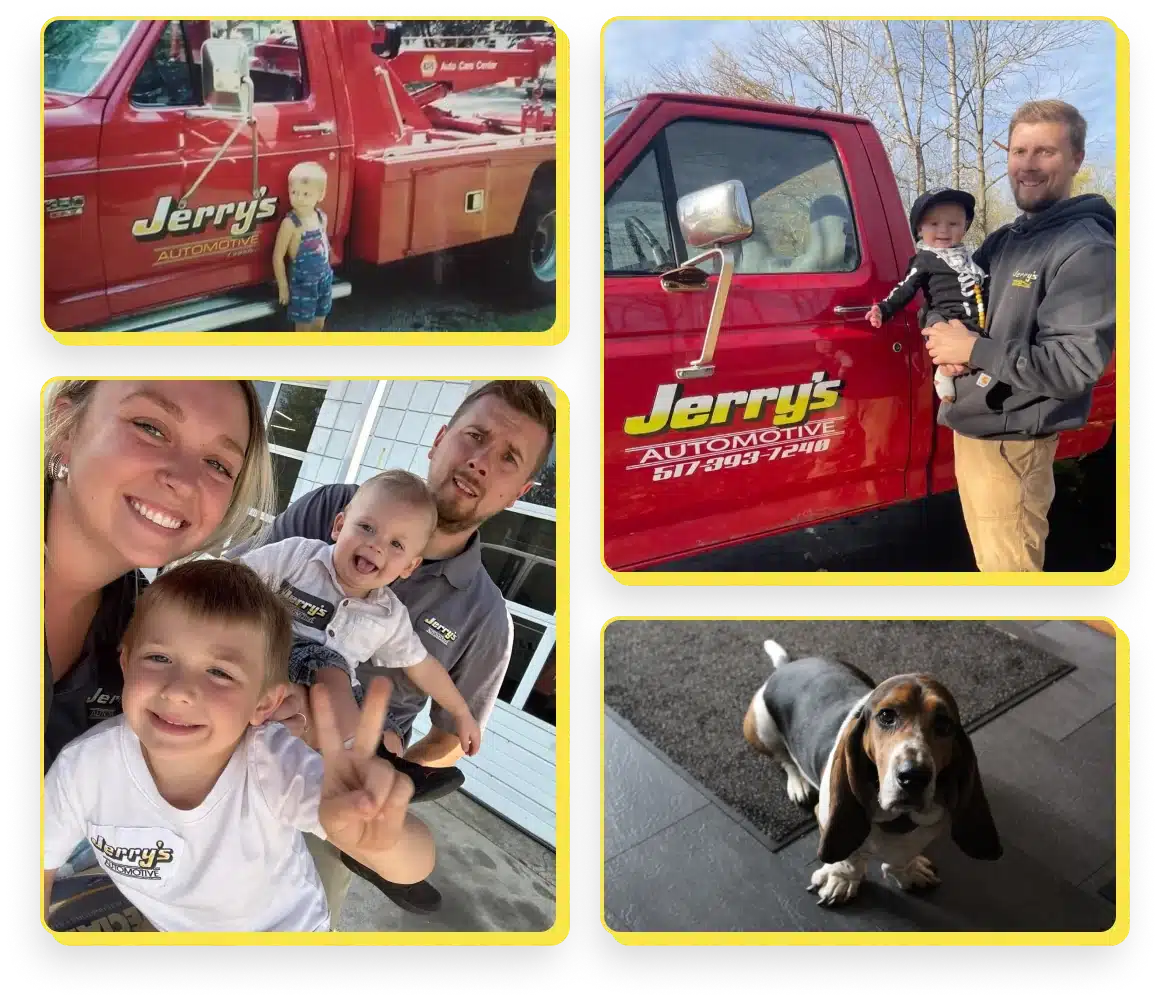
[{"x": 310, "y": 274}]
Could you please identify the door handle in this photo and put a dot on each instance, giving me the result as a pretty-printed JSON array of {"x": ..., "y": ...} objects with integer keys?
[
  {"x": 326, "y": 128},
  {"x": 846, "y": 310}
]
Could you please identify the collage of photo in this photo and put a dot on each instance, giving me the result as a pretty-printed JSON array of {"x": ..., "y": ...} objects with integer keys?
[{"x": 858, "y": 315}]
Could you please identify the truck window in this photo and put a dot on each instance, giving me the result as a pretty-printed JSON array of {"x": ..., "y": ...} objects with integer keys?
[
  {"x": 167, "y": 80},
  {"x": 632, "y": 212},
  {"x": 172, "y": 76},
  {"x": 77, "y": 53},
  {"x": 275, "y": 60},
  {"x": 802, "y": 222},
  {"x": 614, "y": 119}
]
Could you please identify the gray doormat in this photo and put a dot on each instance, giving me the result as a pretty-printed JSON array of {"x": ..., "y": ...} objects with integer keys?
[{"x": 684, "y": 687}]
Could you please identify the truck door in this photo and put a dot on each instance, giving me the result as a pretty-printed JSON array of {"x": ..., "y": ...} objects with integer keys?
[
  {"x": 806, "y": 415},
  {"x": 155, "y": 146}
]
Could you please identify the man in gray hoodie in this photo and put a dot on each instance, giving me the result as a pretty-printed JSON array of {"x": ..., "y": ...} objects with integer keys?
[{"x": 1051, "y": 324}]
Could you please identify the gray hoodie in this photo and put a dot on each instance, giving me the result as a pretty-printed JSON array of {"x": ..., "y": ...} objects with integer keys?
[{"x": 1051, "y": 323}]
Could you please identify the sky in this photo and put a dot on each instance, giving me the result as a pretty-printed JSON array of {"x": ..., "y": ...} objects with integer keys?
[{"x": 688, "y": 41}]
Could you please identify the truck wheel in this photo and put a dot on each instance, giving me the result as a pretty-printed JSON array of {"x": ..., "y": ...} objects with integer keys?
[{"x": 531, "y": 257}]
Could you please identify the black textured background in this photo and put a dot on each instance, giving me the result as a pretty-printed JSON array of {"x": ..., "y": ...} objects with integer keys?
[{"x": 589, "y": 954}]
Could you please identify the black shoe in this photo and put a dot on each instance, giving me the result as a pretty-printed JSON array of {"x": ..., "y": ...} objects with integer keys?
[
  {"x": 422, "y": 897},
  {"x": 430, "y": 782}
]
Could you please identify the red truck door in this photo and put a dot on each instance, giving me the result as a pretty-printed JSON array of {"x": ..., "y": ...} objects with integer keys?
[
  {"x": 155, "y": 146},
  {"x": 807, "y": 414}
]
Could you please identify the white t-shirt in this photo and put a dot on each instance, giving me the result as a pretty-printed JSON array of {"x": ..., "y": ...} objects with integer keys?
[
  {"x": 237, "y": 862},
  {"x": 375, "y": 629}
]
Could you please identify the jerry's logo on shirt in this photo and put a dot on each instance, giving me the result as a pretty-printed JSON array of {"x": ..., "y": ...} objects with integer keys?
[
  {"x": 441, "y": 632},
  {"x": 1024, "y": 279},
  {"x": 306, "y": 609},
  {"x": 133, "y": 862},
  {"x": 102, "y": 704}
]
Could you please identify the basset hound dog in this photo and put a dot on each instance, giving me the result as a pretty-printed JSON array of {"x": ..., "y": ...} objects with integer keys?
[{"x": 891, "y": 764}]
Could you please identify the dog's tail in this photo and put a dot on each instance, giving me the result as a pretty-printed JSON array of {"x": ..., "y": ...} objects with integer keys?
[{"x": 776, "y": 653}]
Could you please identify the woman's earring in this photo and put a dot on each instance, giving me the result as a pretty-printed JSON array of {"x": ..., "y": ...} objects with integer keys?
[{"x": 57, "y": 469}]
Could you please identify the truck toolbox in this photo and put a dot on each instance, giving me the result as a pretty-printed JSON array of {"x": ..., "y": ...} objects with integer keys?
[{"x": 410, "y": 203}]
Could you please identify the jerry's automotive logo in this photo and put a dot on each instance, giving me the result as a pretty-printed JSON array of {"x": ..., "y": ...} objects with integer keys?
[
  {"x": 133, "y": 862},
  {"x": 305, "y": 608},
  {"x": 441, "y": 632},
  {"x": 789, "y": 404},
  {"x": 1024, "y": 279},
  {"x": 239, "y": 218},
  {"x": 102, "y": 704}
]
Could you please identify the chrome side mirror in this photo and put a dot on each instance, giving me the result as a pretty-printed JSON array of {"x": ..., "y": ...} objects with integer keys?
[
  {"x": 715, "y": 216},
  {"x": 225, "y": 75}
]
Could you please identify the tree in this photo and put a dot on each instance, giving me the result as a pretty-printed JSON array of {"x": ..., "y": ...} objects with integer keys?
[
  {"x": 1096, "y": 179},
  {"x": 912, "y": 135},
  {"x": 940, "y": 93},
  {"x": 955, "y": 123}
]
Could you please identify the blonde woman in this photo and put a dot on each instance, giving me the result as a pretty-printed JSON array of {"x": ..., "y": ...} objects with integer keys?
[{"x": 137, "y": 475}]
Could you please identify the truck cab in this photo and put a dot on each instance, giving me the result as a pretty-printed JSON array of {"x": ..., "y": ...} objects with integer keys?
[
  {"x": 744, "y": 393},
  {"x": 127, "y": 139}
]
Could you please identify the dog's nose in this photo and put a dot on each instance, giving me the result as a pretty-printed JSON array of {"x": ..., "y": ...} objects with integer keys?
[{"x": 913, "y": 777}]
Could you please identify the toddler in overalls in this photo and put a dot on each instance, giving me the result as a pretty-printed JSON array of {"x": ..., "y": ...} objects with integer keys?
[{"x": 302, "y": 239}]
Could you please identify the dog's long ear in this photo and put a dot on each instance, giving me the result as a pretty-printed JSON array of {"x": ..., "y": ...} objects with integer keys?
[
  {"x": 853, "y": 792},
  {"x": 972, "y": 826}
]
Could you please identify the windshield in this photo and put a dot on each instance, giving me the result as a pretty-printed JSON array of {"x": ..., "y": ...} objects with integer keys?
[
  {"x": 77, "y": 53},
  {"x": 613, "y": 119}
]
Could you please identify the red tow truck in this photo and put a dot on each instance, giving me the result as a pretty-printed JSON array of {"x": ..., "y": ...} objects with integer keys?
[
  {"x": 744, "y": 394},
  {"x": 167, "y": 146}
]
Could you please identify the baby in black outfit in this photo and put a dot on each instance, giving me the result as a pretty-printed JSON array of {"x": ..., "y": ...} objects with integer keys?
[{"x": 944, "y": 269}]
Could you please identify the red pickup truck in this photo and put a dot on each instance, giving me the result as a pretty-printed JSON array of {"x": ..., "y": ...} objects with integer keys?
[
  {"x": 165, "y": 170},
  {"x": 747, "y": 396}
]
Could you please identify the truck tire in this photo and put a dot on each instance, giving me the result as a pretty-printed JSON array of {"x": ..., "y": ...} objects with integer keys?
[{"x": 529, "y": 263}]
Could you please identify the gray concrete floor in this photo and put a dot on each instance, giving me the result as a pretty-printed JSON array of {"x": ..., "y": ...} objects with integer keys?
[
  {"x": 676, "y": 860},
  {"x": 492, "y": 876}
]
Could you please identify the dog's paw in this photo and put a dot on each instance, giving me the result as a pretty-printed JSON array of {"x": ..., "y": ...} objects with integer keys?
[
  {"x": 835, "y": 884},
  {"x": 917, "y": 873},
  {"x": 798, "y": 788}
]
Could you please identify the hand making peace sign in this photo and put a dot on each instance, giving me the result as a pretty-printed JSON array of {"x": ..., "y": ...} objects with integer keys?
[{"x": 364, "y": 800}]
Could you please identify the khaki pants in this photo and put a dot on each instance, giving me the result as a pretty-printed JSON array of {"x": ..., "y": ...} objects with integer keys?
[
  {"x": 1006, "y": 489},
  {"x": 334, "y": 874}
]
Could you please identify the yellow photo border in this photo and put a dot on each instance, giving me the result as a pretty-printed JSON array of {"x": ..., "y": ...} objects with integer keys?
[
  {"x": 559, "y": 929},
  {"x": 1109, "y": 577},
  {"x": 1112, "y": 936},
  {"x": 555, "y": 334}
]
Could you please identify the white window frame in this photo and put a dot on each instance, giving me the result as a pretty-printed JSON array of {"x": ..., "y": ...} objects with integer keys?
[
  {"x": 539, "y": 656},
  {"x": 548, "y": 640},
  {"x": 534, "y": 510},
  {"x": 366, "y": 428},
  {"x": 281, "y": 449}
]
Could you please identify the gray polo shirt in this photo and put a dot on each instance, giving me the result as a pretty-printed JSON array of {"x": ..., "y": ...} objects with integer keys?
[{"x": 455, "y": 607}]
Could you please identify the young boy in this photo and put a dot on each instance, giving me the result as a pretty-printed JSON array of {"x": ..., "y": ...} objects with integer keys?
[
  {"x": 942, "y": 268},
  {"x": 302, "y": 238},
  {"x": 194, "y": 807},
  {"x": 343, "y": 610}
]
